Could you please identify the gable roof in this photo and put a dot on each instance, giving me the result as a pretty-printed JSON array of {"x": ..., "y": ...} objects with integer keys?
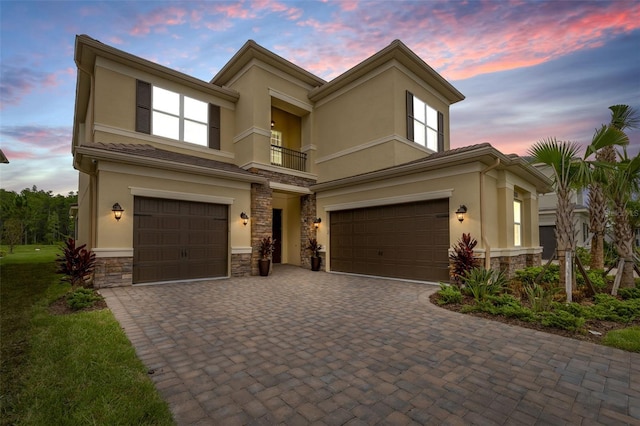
[
  {"x": 483, "y": 152},
  {"x": 397, "y": 51},
  {"x": 253, "y": 51},
  {"x": 147, "y": 155}
]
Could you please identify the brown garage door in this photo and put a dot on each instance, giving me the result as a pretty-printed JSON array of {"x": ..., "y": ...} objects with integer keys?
[
  {"x": 178, "y": 240},
  {"x": 408, "y": 241}
]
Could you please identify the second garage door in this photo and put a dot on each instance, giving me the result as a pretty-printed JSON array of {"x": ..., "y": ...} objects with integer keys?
[
  {"x": 408, "y": 241},
  {"x": 178, "y": 240}
]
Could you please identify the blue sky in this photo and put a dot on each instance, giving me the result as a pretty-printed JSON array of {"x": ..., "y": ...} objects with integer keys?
[{"x": 529, "y": 69}]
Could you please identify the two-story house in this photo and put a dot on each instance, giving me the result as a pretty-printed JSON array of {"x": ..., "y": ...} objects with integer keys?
[{"x": 179, "y": 179}]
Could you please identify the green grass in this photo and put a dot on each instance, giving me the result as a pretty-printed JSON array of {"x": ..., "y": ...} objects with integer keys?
[
  {"x": 627, "y": 339},
  {"x": 69, "y": 369}
]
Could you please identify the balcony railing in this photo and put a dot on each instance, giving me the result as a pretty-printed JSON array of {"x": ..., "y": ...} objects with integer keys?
[{"x": 289, "y": 158}]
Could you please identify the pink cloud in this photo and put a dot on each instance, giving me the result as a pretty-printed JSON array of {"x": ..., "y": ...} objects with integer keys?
[
  {"x": 35, "y": 141},
  {"x": 158, "y": 20}
]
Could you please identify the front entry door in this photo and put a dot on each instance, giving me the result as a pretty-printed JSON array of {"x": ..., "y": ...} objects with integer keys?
[{"x": 276, "y": 233}]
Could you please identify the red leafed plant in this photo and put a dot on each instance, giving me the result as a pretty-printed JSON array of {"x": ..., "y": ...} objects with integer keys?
[
  {"x": 76, "y": 263},
  {"x": 462, "y": 260}
]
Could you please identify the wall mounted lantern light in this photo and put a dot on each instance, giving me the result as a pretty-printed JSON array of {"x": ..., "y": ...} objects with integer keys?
[
  {"x": 245, "y": 218},
  {"x": 460, "y": 212},
  {"x": 316, "y": 222},
  {"x": 117, "y": 211},
  {"x": 273, "y": 123}
]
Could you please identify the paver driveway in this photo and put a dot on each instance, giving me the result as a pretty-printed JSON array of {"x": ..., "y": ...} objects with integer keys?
[{"x": 302, "y": 347}]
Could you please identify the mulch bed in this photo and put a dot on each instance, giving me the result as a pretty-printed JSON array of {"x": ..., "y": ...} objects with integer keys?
[
  {"x": 602, "y": 327},
  {"x": 60, "y": 307}
]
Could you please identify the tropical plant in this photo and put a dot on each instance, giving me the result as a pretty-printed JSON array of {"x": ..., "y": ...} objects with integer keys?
[
  {"x": 82, "y": 298},
  {"x": 266, "y": 247},
  {"x": 314, "y": 247},
  {"x": 462, "y": 259},
  {"x": 622, "y": 117},
  {"x": 482, "y": 283},
  {"x": 568, "y": 174},
  {"x": 448, "y": 294},
  {"x": 76, "y": 263},
  {"x": 541, "y": 297}
]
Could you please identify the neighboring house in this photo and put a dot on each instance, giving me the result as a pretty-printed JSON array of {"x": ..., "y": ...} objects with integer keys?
[
  {"x": 361, "y": 161},
  {"x": 547, "y": 205}
]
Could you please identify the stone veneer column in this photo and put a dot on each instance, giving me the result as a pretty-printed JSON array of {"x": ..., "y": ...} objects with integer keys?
[
  {"x": 261, "y": 220},
  {"x": 307, "y": 230}
]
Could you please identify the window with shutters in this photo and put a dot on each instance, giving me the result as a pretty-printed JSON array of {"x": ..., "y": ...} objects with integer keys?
[
  {"x": 172, "y": 115},
  {"x": 425, "y": 124}
]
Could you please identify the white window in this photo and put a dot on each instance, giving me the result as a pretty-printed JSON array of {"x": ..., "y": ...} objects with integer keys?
[
  {"x": 517, "y": 223},
  {"x": 425, "y": 124},
  {"x": 179, "y": 117}
]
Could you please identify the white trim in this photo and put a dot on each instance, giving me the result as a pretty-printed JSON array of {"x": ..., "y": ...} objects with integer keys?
[
  {"x": 371, "y": 144},
  {"x": 277, "y": 169},
  {"x": 250, "y": 131},
  {"x": 183, "y": 196},
  {"x": 423, "y": 196},
  {"x": 241, "y": 250},
  {"x": 97, "y": 127},
  {"x": 510, "y": 252},
  {"x": 290, "y": 99},
  {"x": 113, "y": 252},
  {"x": 289, "y": 188}
]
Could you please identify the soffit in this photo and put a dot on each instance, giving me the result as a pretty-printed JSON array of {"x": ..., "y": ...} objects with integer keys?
[{"x": 253, "y": 51}]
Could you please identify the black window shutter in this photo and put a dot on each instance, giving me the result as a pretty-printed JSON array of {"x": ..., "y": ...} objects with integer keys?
[
  {"x": 440, "y": 131},
  {"x": 143, "y": 107},
  {"x": 410, "y": 116},
  {"x": 214, "y": 126}
]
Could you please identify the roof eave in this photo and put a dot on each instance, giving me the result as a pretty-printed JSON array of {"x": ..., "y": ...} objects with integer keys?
[{"x": 125, "y": 158}]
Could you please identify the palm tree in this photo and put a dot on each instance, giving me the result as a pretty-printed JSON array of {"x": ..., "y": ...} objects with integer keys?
[
  {"x": 622, "y": 184},
  {"x": 622, "y": 117},
  {"x": 568, "y": 173}
]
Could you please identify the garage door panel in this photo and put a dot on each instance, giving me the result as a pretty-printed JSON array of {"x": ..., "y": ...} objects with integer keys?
[
  {"x": 177, "y": 240},
  {"x": 408, "y": 241}
]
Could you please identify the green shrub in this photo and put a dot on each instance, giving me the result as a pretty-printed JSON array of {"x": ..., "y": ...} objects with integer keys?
[
  {"x": 584, "y": 255},
  {"x": 596, "y": 276},
  {"x": 629, "y": 293},
  {"x": 82, "y": 298},
  {"x": 562, "y": 320},
  {"x": 481, "y": 283},
  {"x": 609, "y": 308},
  {"x": 573, "y": 308},
  {"x": 540, "y": 297},
  {"x": 449, "y": 294},
  {"x": 528, "y": 275}
]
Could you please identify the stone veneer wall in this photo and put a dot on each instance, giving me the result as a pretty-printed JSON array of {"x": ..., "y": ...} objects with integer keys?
[
  {"x": 262, "y": 213},
  {"x": 510, "y": 264},
  {"x": 240, "y": 265},
  {"x": 113, "y": 272}
]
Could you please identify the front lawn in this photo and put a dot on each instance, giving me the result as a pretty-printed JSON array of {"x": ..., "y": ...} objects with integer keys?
[{"x": 72, "y": 369}]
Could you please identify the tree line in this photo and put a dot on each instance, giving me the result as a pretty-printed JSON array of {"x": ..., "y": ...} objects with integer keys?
[{"x": 34, "y": 216}]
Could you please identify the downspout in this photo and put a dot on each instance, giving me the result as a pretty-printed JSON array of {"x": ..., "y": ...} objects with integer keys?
[{"x": 485, "y": 243}]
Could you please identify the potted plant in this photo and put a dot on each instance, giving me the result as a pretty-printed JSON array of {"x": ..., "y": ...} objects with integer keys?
[
  {"x": 315, "y": 248},
  {"x": 266, "y": 248}
]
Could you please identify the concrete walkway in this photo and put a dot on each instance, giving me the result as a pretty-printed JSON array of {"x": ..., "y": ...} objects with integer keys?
[{"x": 301, "y": 347}]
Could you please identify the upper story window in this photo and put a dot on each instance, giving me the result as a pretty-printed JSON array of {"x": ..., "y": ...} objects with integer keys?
[
  {"x": 425, "y": 124},
  {"x": 173, "y": 115}
]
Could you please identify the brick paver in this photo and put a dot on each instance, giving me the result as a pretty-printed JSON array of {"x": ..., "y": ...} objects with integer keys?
[{"x": 302, "y": 347}]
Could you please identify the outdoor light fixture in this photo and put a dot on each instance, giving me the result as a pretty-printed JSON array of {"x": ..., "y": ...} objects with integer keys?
[
  {"x": 245, "y": 218},
  {"x": 273, "y": 123},
  {"x": 461, "y": 211},
  {"x": 316, "y": 222},
  {"x": 117, "y": 211}
]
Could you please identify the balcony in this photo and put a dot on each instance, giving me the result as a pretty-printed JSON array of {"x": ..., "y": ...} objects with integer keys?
[{"x": 289, "y": 158}]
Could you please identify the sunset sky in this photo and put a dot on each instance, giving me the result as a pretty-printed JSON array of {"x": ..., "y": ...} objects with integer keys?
[{"x": 529, "y": 69}]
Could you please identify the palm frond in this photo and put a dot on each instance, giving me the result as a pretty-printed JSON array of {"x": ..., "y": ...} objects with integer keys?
[
  {"x": 606, "y": 136},
  {"x": 624, "y": 117}
]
